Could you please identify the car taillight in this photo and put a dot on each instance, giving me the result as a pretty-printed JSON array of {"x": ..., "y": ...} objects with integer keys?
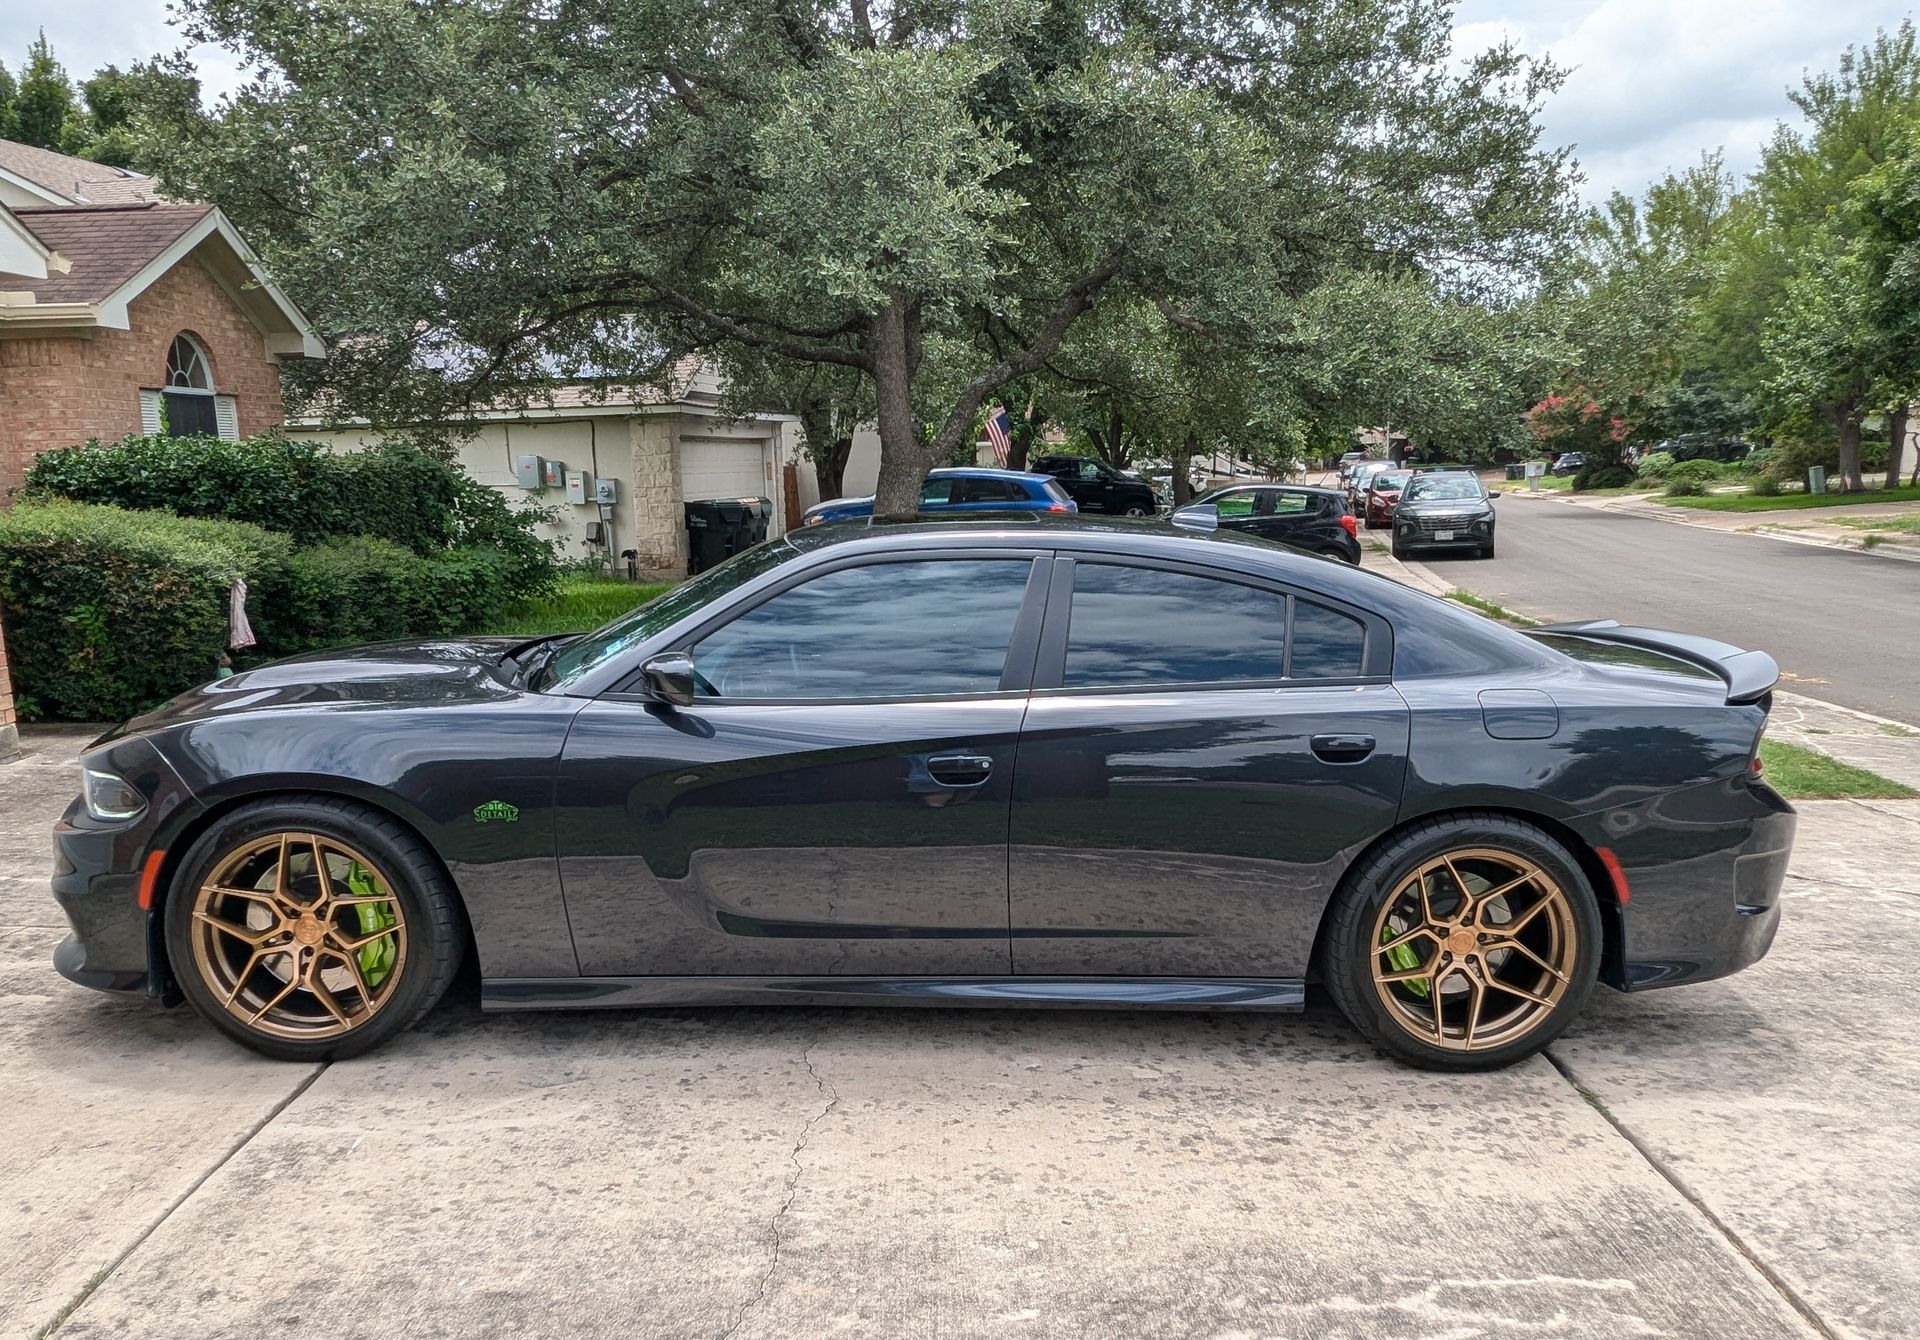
[
  {"x": 1349, "y": 525},
  {"x": 1060, "y": 507}
]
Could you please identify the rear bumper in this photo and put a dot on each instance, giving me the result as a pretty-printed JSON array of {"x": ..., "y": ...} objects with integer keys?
[{"x": 1705, "y": 868}]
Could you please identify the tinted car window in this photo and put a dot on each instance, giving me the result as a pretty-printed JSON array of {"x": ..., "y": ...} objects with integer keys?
[
  {"x": 1326, "y": 643},
  {"x": 1140, "y": 626},
  {"x": 936, "y": 491},
  {"x": 887, "y": 630},
  {"x": 665, "y": 610},
  {"x": 1422, "y": 488},
  {"x": 987, "y": 490}
]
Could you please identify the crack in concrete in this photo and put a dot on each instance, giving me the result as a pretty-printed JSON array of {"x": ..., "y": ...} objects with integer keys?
[
  {"x": 792, "y": 1189},
  {"x": 1885, "y": 814},
  {"x": 87, "y": 1290},
  {"x": 1787, "y": 1293}
]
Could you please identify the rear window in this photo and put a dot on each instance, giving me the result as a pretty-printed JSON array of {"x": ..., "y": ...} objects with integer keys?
[{"x": 1053, "y": 490}]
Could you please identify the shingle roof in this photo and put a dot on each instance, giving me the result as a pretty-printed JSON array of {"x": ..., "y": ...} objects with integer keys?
[
  {"x": 106, "y": 244},
  {"x": 77, "y": 179}
]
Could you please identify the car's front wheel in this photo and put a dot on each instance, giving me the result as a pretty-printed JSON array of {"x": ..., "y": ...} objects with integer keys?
[
  {"x": 1466, "y": 942},
  {"x": 1135, "y": 509},
  {"x": 311, "y": 928}
]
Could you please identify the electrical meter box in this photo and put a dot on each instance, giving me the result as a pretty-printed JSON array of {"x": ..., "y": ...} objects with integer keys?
[
  {"x": 579, "y": 486},
  {"x": 531, "y": 471},
  {"x": 606, "y": 491},
  {"x": 555, "y": 475}
]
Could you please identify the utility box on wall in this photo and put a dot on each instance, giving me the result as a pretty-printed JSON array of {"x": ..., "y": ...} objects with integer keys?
[
  {"x": 606, "y": 491},
  {"x": 579, "y": 487},
  {"x": 555, "y": 474},
  {"x": 530, "y": 471}
]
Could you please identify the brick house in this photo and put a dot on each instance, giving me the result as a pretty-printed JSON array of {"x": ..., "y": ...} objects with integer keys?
[{"x": 123, "y": 312}]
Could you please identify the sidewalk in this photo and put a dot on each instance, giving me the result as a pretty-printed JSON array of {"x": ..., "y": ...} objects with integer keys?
[{"x": 1804, "y": 526}]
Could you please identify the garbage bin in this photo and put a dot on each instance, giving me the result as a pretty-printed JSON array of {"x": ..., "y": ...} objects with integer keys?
[
  {"x": 759, "y": 519},
  {"x": 1517, "y": 470},
  {"x": 711, "y": 526}
]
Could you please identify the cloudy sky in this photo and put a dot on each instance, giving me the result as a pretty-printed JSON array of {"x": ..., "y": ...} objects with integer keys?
[{"x": 1653, "y": 81}]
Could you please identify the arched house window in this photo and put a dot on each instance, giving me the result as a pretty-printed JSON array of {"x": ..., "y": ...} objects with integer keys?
[{"x": 187, "y": 404}]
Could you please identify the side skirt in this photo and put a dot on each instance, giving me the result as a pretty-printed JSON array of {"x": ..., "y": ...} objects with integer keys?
[{"x": 1154, "y": 993}]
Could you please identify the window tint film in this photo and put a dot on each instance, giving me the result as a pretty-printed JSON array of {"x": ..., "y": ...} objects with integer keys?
[
  {"x": 1140, "y": 626},
  {"x": 1326, "y": 643},
  {"x": 936, "y": 491},
  {"x": 887, "y": 630}
]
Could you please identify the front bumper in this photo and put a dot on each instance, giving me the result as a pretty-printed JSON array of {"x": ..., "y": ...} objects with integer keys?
[{"x": 115, "y": 942}]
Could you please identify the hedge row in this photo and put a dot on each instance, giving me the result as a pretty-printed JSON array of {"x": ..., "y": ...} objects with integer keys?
[
  {"x": 393, "y": 492},
  {"x": 110, "y": 611}
]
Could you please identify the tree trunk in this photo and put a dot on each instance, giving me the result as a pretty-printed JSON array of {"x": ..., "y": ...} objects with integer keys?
[
  {"x": 830, "y": 468},
  {"x": 904, "y": 458},
  {"x": 1111, "y": 445},
  {"x": 1896, "y": 445},
  {"x": 1182, "y": 485},
  {"x": 1849, "y": 424}
]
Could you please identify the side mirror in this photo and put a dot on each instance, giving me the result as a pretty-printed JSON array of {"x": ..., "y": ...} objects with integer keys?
[
  {"x": 669, "y": 677},
  {"x": 1492, "y": 494},
  {"x": 1202, "y": 516}
]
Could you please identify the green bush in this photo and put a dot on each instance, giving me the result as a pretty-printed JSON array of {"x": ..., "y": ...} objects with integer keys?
[
  {"x": 1654, "y": 465},
  {"x": 1764, "y": 486},
  {"x": 1689, "y": 479},
  {"x": 109, "y": 612},
  {"x": 392, "y": 492},
  {"x": 1597, "y": 476}
]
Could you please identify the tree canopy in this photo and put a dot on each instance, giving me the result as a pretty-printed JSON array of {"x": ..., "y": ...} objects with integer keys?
[{"x": 935, "y": 197}]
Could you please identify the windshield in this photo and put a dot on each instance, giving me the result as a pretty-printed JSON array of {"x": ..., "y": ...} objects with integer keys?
[
  {"x": 1423, "y": 487},
  {"x": 1392, "y": 480},
  {"x": 670, "y": 606}
]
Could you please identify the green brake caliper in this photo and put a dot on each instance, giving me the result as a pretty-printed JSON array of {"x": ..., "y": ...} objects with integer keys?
[
  {"x": 376, "y": 959},
  {"x": 1404, "y": 959}
]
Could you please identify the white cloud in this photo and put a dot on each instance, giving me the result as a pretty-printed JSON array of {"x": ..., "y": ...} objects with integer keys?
[{"x": 1653, "y": 83}]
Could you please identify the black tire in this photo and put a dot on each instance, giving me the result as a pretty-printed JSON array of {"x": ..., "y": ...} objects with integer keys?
[
  {"x": 434, "y": 921},
  {"x": 1399, "y": 551},
  {"x": 1349, "y": 950},
  {"x": 1136, "y": 511},
  {"x": 1486, "y": 550}
]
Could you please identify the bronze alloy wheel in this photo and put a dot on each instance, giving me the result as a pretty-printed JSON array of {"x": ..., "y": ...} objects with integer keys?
[
  {"x": 299, "y": 936},
  {"x": 1474, "y": 949}
]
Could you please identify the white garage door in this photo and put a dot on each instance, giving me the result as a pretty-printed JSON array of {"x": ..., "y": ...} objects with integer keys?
[{"x": 722, "y": 468}]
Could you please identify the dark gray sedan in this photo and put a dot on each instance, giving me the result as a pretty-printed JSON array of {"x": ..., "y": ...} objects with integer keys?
[{"x": 1450, "y": 511}]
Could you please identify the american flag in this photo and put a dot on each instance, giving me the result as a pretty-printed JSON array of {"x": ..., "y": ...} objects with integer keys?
[{"x": 998, "y": 428}]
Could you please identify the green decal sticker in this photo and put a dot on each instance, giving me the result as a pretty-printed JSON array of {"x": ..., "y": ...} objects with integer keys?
[{"x": 495, "y": 809}]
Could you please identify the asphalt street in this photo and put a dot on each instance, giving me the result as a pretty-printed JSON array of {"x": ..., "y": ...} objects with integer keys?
[{"x": 1841, "y": 623}]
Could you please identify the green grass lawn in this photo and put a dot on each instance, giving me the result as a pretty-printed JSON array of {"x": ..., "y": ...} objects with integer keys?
[
  {"x": 576, "y": 605},
  {"x": 1908, "y": 525},
  {"x": 1789, "y": 502},
  {"x": 1802, "y": 774}
]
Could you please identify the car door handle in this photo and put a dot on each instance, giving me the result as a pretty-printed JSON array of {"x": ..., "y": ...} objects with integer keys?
[
  {"x": 960, "y": 769},
  {"x": 1343, "y": 748}
]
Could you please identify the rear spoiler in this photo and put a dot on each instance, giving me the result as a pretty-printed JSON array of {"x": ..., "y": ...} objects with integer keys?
[{"x": 1749, "y": 675}]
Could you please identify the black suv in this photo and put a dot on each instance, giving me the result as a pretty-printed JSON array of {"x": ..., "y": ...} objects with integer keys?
[
  {"x": 1317, "y": 520},
  {"x": 1098, "y": 487}
]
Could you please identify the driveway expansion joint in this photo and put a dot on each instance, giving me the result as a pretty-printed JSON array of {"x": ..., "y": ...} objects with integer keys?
[
  {"x": 246, "y": 1137},
  {"x": 1719, "y": 1226},
  {"x": 792, "y": 1189}
]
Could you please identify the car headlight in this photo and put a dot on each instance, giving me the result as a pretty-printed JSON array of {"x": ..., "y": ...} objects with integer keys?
[{"x": 109, "y": 798}]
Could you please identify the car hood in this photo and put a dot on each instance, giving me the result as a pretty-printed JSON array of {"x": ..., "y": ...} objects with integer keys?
[
  {"x": 428, "y": 673},
  {"x": 1445, "y": 506},
  {"x": 833, "y": 504}
]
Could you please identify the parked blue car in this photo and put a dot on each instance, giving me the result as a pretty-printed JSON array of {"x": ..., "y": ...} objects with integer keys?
[{"x": 962, "y": 488}]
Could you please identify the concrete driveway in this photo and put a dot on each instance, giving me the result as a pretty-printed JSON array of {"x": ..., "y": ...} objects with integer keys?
[{"x": 1729, "y": 1160}]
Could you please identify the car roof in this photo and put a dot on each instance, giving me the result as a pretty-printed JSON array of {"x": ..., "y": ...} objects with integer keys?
[
  {"x": 1276, "y": 484},
  {"x": 985, "y": 472}
]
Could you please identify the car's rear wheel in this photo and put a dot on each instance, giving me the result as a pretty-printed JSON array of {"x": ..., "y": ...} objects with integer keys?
[
  {"x": 1135, "y": 509},
  {"x": 1465, "y": 943},
  {"x": 311, "y": 928}
]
